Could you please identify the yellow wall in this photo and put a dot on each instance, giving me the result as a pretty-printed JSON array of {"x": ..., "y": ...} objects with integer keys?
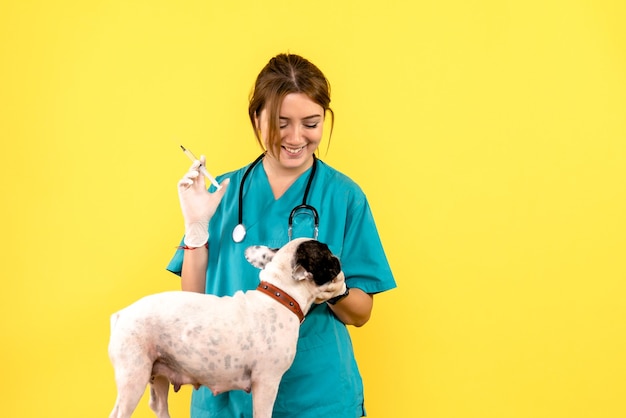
[{"x": 490, "y": 137}]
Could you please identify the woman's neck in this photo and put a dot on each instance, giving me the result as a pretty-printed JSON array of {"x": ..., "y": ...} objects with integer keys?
[{"x": 281, "y": 177}]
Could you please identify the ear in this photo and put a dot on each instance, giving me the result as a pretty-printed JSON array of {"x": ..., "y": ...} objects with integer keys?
[
  {"x": 300, "y": 273},
  {"x": 257, "y": 120},
  {"x": 260, "y": 255}
]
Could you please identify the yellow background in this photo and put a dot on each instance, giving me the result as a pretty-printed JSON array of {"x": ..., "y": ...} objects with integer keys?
[{"x": 489, "y": 136}]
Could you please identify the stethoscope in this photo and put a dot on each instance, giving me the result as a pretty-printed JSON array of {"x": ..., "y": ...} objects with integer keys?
[{"x": 239, "y": 232}]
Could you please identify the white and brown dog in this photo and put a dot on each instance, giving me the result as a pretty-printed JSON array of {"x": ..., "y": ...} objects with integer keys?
[{"x": 247, "y": 341}]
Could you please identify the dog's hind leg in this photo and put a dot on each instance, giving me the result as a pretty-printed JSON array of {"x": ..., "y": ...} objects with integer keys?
[
  {"x": 130, "y": 389},
  {"x": 159, "y": 386}
]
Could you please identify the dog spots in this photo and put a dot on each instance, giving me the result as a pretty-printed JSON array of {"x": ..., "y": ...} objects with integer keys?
[
  {"x": 195, "y": 331},
  {"x": 245, "y": 344},
  {"x": 243, "y": 380},
  {"x": 227, "y": 360},
  {"x": 166, "y": 339},
  {"x": 271, "y": 344},
  {"x": 272, "y": 317}
]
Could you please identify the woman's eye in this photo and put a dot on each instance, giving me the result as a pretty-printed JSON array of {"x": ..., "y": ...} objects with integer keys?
[{"x": 312, "y": 126}]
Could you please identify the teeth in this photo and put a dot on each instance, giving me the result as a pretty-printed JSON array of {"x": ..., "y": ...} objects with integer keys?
[{"x": 294, "y": 150}]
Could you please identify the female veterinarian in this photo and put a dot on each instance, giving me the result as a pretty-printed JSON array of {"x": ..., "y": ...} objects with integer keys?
[{"x": 287, "y": 193}]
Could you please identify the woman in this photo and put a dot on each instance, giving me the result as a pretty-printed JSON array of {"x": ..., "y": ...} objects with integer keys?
[{"x": 287, "y": 109}]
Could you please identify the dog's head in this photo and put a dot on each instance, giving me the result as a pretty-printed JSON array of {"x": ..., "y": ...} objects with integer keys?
[{"x": 303, "y": 258}]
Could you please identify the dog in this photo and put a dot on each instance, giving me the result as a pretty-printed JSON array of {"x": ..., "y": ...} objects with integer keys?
[{"x": 246, "y": 342}]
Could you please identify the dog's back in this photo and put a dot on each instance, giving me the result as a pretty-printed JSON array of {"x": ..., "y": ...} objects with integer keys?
[{"x": 197, "y": 339}]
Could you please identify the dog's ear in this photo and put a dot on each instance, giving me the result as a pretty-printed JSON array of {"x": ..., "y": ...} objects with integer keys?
[
  {"x": 315, "y": 258},
  {"x": 260, "y": 255},
  {"x": 300, "y": 273}
]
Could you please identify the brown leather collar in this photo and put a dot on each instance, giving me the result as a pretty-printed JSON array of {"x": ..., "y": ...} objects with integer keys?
[{"x": 282, "y": 297}]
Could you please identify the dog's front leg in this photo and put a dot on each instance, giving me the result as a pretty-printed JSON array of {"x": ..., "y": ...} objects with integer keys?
[
  {"x": 263, "y": 397},
  {"x": 159, "y": 387}
]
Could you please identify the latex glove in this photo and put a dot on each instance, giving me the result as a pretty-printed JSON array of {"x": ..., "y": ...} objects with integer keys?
[
  {"x": 197, "y": 204},
  {"x": 335, "y": 287}
]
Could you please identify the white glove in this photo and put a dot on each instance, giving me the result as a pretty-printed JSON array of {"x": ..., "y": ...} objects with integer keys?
[
  {"x": 334, "y": 288},
  {"x": 197, "y": 204}
]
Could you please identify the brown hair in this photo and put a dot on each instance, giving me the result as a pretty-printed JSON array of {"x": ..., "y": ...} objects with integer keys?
[{"x": 285, "y": 74}]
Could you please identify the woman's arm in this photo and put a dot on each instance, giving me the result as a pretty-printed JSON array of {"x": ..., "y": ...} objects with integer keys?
[
  {"x": 193, "y": 274},
  {"x": 198, "y": 207},
  {"x": 355, "y": 309}
]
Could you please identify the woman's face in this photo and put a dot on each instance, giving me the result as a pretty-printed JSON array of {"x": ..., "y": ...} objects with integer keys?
[{"x": 301, "y": 126}]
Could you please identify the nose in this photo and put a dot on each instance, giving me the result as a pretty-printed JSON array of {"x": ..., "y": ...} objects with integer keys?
[{"x": 294, "y": 135}]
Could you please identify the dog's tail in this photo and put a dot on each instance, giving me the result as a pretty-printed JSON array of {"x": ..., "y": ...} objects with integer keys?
[
  {"x": 112, "y": 339},
  {"x": 114, "y": 319}
]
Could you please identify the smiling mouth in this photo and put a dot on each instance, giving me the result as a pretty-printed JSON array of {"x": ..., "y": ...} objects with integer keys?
[{"x": 293, "y": 150}]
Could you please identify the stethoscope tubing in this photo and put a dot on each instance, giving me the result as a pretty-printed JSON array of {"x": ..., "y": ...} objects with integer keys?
[
  {"x": 316, "y": 219},
  {"x": 243, "y": 181},
  {"x": 239, "y": 232}
]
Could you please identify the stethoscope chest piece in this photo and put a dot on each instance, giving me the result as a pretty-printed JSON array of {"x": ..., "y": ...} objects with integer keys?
[{"x": 239, "y": 233}]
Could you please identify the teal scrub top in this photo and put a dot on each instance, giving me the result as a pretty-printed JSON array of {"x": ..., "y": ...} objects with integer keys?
[{"x": 324, "y": 379}]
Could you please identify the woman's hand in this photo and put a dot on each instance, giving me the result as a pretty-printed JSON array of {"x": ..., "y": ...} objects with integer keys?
[
  {"x": 197, "y": 204},
  {"x": 335, "y": 287}
]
